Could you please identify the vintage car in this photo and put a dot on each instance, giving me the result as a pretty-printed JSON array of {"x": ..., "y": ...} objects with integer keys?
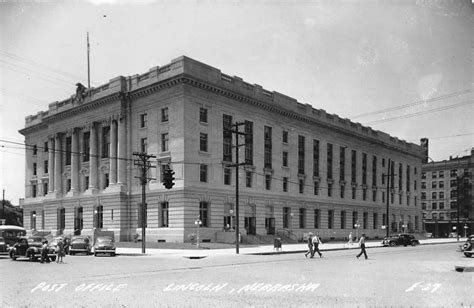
[
  {"x": 468, "y": 247},
  {"x": 400, "y": 239},
  {"x": 3, "y": 247},
  {"x": 80, "y": 244},
  {"x": 30, "y": 247},
  {"x": 104, "y": 245}
]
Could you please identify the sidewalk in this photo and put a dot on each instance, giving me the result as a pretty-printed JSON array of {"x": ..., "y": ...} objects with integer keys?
[{"x": 197, "y": 253}]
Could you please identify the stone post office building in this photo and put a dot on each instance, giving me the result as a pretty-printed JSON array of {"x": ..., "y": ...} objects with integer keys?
[{"x": 306, "y": 170}]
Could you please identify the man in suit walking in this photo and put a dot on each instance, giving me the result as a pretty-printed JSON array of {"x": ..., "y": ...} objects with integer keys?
[
  {"x": 362, "y": 247},
  {"x": 316, "y": 242}
]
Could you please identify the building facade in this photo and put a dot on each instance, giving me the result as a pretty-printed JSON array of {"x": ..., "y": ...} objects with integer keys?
[
  {"x": 446, "y": 196},
  {"x": 306, "y": 170}
]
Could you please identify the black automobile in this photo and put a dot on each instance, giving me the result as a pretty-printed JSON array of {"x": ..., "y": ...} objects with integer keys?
[
  {"x": 468, "y": 247},
  {"x": 104, "y": 245},
  {"x": 80, "y": 244},
  {"x": 31, "y": 248},
  {"x": 400, "y": 239}
]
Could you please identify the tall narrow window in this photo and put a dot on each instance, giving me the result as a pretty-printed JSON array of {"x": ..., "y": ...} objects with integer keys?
[
  {"x": 143, "y": 145},
  {"x": 330, "y": 219},
  {"x": 267, "y": 147},
  {"x": 227, "y": 176},
  {"x": 106, "y": 141},
  {"x": 227, "y": 137},
  {"x": 408, "y": 178},
  {"x": 342, "y": 163},
  {"x": 268, "y": 181},
  {"x": 285, "y": 159},
  {"x": 316, "y": 218},
  {"x": 203, "y": 142},
  {"x": 329, "y": 161},
  {"x": 302, "y": 218},
  {"x": 316, "y": 188},
  {"x": 248, "y": 142},
  {"x": 248, "y": 179},
  {"x": 301, "y": 150},
  {"x": 375, "y": 221},
  {"x": 301, "y": 184},
  {"x": 165, "y": 142},
  {"x": 374, "y": 171},
  {"x": 400, "y": 176},
  {"x": 68, "y": 150},
  {"x": 329, "y": 189},
  {"x": 316, "y": 158},
  {"x": 35, "y": 149},
  {"x": 143, "y": 120},
  {"x": 285, "y": 184},
  {"x": 285, "y": 136},
  {"x": 354, "y": 166},
  {"x": 46, "y": 167},
  {"x": 164, "y": 114},
  {"x": 202, "y": 115},
  {"x": 343, "y": 219},
  {"x": 164, "y": 215},
  {"x": 364, "y": 168},
  {"x": 286, "y": 217},
  {"x": 45, "y": 147},
  {"x": 203, "y": 173},
  {"x": 86, "y": 138},
  {"x": 35, "y": 171}
]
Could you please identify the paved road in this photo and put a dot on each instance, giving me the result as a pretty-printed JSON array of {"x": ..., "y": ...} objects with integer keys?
[{"x": 401, "y": 276}]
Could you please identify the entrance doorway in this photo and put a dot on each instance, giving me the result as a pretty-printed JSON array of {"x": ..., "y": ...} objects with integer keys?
[
  {"x": 270, "y": 225},
  {"x": 251, "y": 225}
]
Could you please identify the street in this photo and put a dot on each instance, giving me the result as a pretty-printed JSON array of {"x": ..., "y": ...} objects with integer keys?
[{"x": 403, "y": 276}]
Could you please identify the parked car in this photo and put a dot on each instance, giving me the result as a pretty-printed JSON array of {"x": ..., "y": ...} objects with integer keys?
[
  {"x": 400, "y": 239},
  {"x": 31, "y": 248},
  {"x": 104, "y": 245},
  {"x": 468, "y": 247},
  {"x": 3, "y": 247},
  {"x": 80, "y": 244}
]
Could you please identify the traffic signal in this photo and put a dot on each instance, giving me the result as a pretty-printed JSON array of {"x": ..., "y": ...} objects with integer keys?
[{"x": 168, "y": 178}]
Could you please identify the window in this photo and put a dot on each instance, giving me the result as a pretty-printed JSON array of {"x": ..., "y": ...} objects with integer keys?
[
  {"x": 203, "y": 173},
  {"x": 329, "y": 189},
  {"x": 106, "y": 141},
  {"x": 330, "y": 219},
  {"x": 374, "y": 171},
  {"x": 203, "y": 142},
  {"x": 165, "y": 142},
  {"x": 227, "y": 176},
  {"x": 268, "y": 181},
  {"x": 375, "y": 220},
  {"x": 342, "y": 191},
  {"x": 143, "y": 120},
  {"x": 441, "y": 205},
  {"x": 453, "y": 194},
  {"x": 204, "y": 213},
  {"x": 408, "y": 200},
  {"x": 364, "y": 194},
  {"x": 285, "y": 184},
  {"x": 106, "y": 180},
  {"x": 33, "y": 190},
  {"x": 400, "y": 177},
  {"x": 164, "y": 215},
  {"x": 68, "y": 151},
  {"x": 441, "y": 184},
  {"x": 285, "y": 136},
  {"x": 164, "y": 114},
  {"x": 343, "y": 219},
  {"x": 441, "y": 194},
  {"x": 383, "y": 197},
  {"x": 374, "y": 195},
  {"x": 248, "y": 142},
  {"x": 433, "y": 195},
  {"x": 316, "y": 188},
  {"x": 441, "y": 174},
  {"x": 453, "y": 183},
  {"x": 316, "y": 158},
  {"x": 453, "y": 173},
  {"x": 301, "y": 141},
  {"x": 86, "y": 138},
  {"x": 227, "y": 137},
  {"x": 302, "y": 217},
  {"x": 423, "y": 175},
  {"x": 354, "y": 167},
  {"x": 423, "y": 185},
  {"x": 364, "y": 169},
  {"x": 33, "y": 220},
  {"x": 248, "y": 179},
  {"x": 423, "y": 205},
  {"x": 353, "y": 192},
  {"x": 285, "y": 159},
  {"x": 408, "y": 178},
  {"x": 68, "y": 185},
  {"x": 354, "y": 219},
  {"x": 202, "y": 115},
  {"x": 143, "y": 145},
  {"x": 86, "y": 182},
  {"x": 434, "y": 206},
  {"x": 34, "y": 169},
  {"x": 45, "y": 188},
  {"x": 434, "y": 175},
  {"x": 45, "y": 147},
  {"x": 46, "y": 166},
  {"x": 35, "y": 150},
  {"x": 316, "y": 218},
  {"x": 286, "y": 217},
  {"x": 329, "y": 161},
  {"x": 366, "y": 221},
  {"x": 301, "y": 184},
  {"x": 433, "y": 184},
  {"x": 62, "y": 219},
  {"x": 267, "y": 147},
  {"x": 423, "y": 195},
  {"x": 342, "y": 164}
]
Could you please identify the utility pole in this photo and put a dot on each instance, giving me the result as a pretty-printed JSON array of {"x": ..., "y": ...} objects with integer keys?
[
  {"x": 143, "y": 162},
  {"x": 235, "y": 130}
]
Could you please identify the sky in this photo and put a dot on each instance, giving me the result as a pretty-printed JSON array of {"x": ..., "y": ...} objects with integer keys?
[{"x": 402, "y": 67}]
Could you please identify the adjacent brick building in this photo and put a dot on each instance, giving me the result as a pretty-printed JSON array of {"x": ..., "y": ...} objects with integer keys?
[{"x": 306, "y": 170}]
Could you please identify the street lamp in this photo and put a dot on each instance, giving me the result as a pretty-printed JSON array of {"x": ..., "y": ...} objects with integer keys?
[
  {"x": 357, "y": 226},
  {"x": 231, "y": 212},
  {"x": 33, "y": 216},
  {"x": 198, "y": 223}
]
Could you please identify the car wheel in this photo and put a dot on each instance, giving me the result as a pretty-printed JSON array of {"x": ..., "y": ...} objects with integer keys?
[
  {"x": 53, "y": 259},
  {"x": 469, "y": 255},
  {"x": 466, "y": 246},
  {"x": 392, "y": 244}
]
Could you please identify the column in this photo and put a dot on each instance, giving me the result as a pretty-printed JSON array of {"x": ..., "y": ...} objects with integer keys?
[
  {"x": 75, "y": 161},
  {"x": 51, "y": 165},
  {"x": 58, "y": 163},
  {"x": 122, "y": 151},
  {"x": 113, "y": 152},
  {"x": 94, "y": 158}
]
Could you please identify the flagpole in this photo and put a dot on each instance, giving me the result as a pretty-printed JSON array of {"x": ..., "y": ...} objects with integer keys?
[{"x": 88, "y": 64}]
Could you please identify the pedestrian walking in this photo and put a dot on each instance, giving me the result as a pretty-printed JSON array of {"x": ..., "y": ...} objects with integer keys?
[
  {"x": 310, "y": 245},
  {"x": 350, "y": 243},
  {"x": 60, "y": 255},
  {"x": 316, "y": 241},
  {"x": 44, "y": 253},
  {"x": 362, "y": 247}
]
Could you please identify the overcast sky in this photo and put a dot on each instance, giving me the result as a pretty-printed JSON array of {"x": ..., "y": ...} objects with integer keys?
[{"x": 402, "y": 67}]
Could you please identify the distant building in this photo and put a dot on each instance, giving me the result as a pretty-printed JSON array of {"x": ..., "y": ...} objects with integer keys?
[
  {"x": 306, "y": 170},
  {"x": 446, "y": 194}
]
